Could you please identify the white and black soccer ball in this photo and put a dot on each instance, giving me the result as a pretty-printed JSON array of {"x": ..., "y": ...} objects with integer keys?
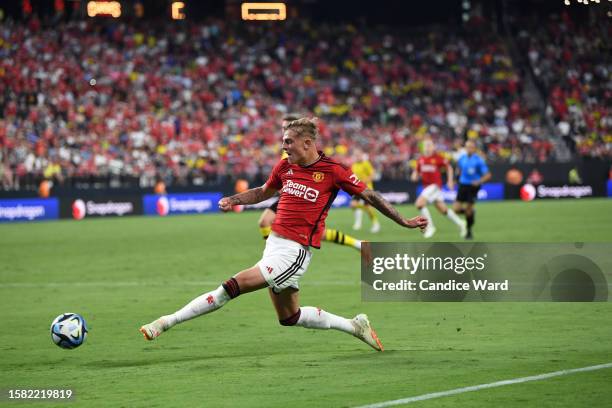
[{"x": 69, "y": 330}]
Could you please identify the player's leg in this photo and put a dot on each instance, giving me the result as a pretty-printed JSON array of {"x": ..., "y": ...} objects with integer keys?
[
  {"x": 467, "y": 194},
  {"x": 458, "y": 207},
  {"x": 357, "y": 207},
  {"x": 289, "y": 312},
  {"x": 339, "y": 237},
  {"x": 461, "y": 200},
  {"x": 266, "y": 219},
  {"x": 421, "y": 205},
  {"x": 469, "y": 217},
  {"x": 451, "y": 215},
  {"x": 245, "y": 281},
  {"x": 373, "y": 218}
]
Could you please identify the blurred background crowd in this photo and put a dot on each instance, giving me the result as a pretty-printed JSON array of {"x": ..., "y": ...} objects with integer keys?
[{"x": 201, "y": 102}]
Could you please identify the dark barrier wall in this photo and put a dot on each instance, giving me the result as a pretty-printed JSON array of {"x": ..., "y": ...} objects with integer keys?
[{"x": 589, "y": 172}]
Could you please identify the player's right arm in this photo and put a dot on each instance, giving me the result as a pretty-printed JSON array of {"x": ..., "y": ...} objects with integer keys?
[
  {"x": 256, "y": 195},
  {"x": 252, "y": 196}
]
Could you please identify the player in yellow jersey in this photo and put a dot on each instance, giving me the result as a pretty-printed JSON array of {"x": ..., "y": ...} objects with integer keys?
[
  {"x": 364, "y": 170},
  {"x": 267, "y": 216}
]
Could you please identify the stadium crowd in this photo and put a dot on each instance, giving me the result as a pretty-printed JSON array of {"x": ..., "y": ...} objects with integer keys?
[
  {"x": 199, "y": 103},
  {"x": 568, "y": 59}
]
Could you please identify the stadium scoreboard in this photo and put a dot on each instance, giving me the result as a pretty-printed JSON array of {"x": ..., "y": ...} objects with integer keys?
[
  {"x": 180, "y": 10},
  {"x": 263, "y": 11}
]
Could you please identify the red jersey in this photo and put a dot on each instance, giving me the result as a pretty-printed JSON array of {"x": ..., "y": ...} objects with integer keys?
[
  {"x": 306, "y": 194},
  {"x": 429, "y": 169}
]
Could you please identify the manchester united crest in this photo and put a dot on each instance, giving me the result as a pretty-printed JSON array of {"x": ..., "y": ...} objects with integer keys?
[{"x": 317, "y": 176}]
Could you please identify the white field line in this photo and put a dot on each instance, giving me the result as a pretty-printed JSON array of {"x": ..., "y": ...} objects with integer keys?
[
  {"x": 126, "y": 284},
  {"x": 456, "y": 391}
]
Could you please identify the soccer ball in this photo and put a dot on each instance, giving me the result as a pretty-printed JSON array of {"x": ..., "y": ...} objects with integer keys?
[{"x": 69, "y": 330}]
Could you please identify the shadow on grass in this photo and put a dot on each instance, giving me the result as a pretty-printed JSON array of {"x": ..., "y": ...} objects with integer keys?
[{"x": 158, "y": 360}]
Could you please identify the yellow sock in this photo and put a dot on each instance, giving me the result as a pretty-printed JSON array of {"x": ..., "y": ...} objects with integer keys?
[
  {"x": 341, "y": 238},
  {"x": 265, "y": 232}
]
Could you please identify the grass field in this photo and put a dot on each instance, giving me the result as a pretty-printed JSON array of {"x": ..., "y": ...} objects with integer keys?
[{"x": 121, "y": 273}]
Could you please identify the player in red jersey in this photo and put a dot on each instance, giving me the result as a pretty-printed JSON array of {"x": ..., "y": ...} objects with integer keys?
[
  {"x": 428, "y": 168},
  {"x": 308, "y": 182},
  {"x": 269, "y": 214}
]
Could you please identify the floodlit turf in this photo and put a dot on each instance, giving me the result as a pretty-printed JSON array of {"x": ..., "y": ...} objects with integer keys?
[{"x": 121, "y": 273}]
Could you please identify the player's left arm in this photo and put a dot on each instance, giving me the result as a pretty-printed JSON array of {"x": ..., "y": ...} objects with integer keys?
[
  {"x": 349, "y": 182},
  {"x": 377, "y": 201}
]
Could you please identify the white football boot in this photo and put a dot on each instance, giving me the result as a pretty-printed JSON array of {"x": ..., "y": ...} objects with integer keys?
[
  {"x": 463, "y": 229},
  {"x": 154, "y": 329},
  {"x": 365, "y": 332},
  {"x": 429, "y": 231}
]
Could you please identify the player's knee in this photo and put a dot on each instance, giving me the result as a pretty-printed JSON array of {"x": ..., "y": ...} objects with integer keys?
[
  {"x": 231, "y": 287},
  {"x": 291, "y": 320}
]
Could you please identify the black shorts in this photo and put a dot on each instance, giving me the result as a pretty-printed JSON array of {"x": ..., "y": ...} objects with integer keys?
[
  {"x": 467, "y": 193},
  {"x": 274, "y": 207}
]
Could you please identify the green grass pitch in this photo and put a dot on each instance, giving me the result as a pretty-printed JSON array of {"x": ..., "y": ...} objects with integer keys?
[{"x": 123, "y": 272}]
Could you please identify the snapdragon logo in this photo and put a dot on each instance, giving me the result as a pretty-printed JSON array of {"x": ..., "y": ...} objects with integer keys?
[
  {"x": 189, "y": 205},
  {"x": 181, "y": 203},
  {"x": 22, "y": 212},
  {"x": 78, "y": 210},
  {"x": 564, "y": 191},
  {"x": 396, "y": 197},
  {"x": 300, "y": 190},
  {"x": 81, "y": 209},
  {"x": 528, "y": 192},
  {"x": 162, "y": 206}
]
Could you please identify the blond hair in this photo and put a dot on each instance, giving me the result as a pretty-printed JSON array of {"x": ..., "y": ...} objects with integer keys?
[{"x": 304, "y": 127}]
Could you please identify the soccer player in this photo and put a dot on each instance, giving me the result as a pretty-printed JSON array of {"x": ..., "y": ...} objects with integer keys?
[
  {"x": 331, "y": 235},
  {"x": 428, "y": 168},
  {"x": 269, "y": 214},
  {"x": 363, "y": 169},
  {"x": 308, "y": 183},
  {"x": 473, "y": 172}
]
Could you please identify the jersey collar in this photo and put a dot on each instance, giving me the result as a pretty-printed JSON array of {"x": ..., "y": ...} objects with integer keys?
[{"x": 321, "y": 155}]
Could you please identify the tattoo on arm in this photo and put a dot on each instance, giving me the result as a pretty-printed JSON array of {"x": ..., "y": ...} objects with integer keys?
[
  {"x": 377, "y": 201},
  {"x": 252, "y": 196}
]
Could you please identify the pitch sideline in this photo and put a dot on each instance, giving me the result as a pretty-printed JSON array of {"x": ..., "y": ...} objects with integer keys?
[{"x": 462, "y": 390}]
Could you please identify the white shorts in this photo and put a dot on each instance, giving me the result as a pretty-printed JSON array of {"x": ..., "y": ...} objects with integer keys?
[
  {"x": 432, "y": 193},
  {"x": 283, "y": 263}
]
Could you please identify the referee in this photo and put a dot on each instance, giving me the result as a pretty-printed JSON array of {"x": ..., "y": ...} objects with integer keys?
[{"x": 473, "y": 172}]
